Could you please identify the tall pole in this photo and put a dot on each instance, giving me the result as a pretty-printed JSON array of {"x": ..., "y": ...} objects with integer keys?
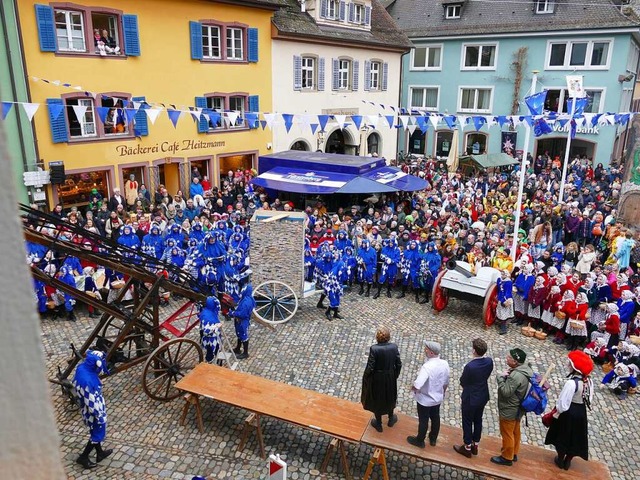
[
  {"x": 566, "y": 152},
  {"x": 523, "y": 171}
]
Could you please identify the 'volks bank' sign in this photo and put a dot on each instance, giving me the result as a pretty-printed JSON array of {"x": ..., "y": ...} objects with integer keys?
[{"x": 585, "y": 130}]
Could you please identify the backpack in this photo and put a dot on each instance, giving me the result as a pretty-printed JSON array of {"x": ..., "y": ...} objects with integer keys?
[{"x": 535, "y": 400}]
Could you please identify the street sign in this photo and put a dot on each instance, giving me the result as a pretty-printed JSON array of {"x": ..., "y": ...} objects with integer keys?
[
  {"x": 39, "y": 178},
  {"x": 277, "y": 468}
]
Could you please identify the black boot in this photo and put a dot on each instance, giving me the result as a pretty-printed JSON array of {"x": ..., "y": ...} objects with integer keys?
[
  {"x": 388, "y": 290},
  {"x": 245, "y": 353},
  {"x": 403, "y": 292},
  {"x": 58, "y": 311},
  {"x": 102, "y": 454},
  {"x": 320, "y": 304},
  {"x": 237, "y": 349},
  {"x": 377, "y": 294},
  {"x": 368, "y": 290},
  {"x": 361, "y": 289},
  {"x": 327, "y": 313},
  {"x": 417, "y": 292},
  {"x": 83, "y": 459},
  {"x": 426, "y": 298},
  {"x": 502, "y": 327},
  {"x": 71, "y": 316},
  {"x": 336, "y": 314}
]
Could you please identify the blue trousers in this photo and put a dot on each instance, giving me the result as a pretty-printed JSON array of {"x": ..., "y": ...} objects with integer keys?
[{"x": 471, "y": 423}]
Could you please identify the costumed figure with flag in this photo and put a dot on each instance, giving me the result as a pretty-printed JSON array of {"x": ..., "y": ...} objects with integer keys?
[
  {"x": 366, "y": 259},
  {"x": 88, "y": 389}
]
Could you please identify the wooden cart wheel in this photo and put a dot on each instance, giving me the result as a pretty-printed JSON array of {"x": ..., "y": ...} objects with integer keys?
[
  {"x": 276, "y": 302},
  {"x": 167, "y": 364},
  {"x": 138, "y": 342},
  {"x": 490, "y": 305},
  {"x": 439, "y": 296}
]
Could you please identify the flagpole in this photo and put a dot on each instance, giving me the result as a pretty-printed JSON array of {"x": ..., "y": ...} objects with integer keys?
[
  {"x": 523, "y": 170},
  {"x": 566, "y": 152}
]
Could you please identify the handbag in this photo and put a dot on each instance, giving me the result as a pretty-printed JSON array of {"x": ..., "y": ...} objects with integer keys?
[{"x": 548, "y": 418}]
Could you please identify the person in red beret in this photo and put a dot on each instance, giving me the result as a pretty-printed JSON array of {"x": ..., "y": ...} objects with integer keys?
[{"x": 569, "y": 429}]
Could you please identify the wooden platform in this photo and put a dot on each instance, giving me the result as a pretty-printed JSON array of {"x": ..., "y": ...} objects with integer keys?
[{"x": 534, "y": 463}]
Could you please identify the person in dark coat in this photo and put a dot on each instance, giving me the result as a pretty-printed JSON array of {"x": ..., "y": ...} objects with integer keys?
[
  {"x": 380, "y": 379},
  {"x": 475, "y": 395}
]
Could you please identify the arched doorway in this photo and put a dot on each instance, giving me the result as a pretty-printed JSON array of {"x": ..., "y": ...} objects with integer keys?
[
  {"x": 443, "y": 142},
  {"x": 417, "y": 142},
  {"x": 556, "y": 146},
  {"x": 340, "y": 141},
  {"x": 476, "y": 143},
  {"x": 374, "y": 144},
  {"x": 301, "y": 145}
]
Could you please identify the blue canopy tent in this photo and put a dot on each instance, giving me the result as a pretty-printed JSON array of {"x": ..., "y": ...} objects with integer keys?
[{"x": 318, "y": 173}]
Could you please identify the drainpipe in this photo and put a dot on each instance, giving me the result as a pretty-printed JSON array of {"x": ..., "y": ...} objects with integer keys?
[{"x": 400, "y": 105}]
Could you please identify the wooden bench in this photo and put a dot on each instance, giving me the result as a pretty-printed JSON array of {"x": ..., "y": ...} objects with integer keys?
[
  {"x": 534, "y": 463},
  {"x": 340, "y": 419}
]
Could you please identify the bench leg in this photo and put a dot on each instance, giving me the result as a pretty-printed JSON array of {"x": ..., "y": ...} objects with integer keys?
[
  {"x": 336, "y": 444},
  {"x": 377, "y": 458},
  {"x": 192, "y": 399},
  {"x": 252, "y": 422},
  {"x": 327, "y": 456},
  {"x": 343, "y": 457}
]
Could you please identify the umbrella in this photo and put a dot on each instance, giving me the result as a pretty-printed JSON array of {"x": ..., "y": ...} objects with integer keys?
[{"x": 453, "y": 158}]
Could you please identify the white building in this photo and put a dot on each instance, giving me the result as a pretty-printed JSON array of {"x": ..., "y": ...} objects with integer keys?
[{"x": 336, "y": 58}]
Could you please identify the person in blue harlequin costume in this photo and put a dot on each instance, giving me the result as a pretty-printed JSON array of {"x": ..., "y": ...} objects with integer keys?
[
  {"x": 242, "y": 317},
  {"x": 73, "y": 264},
  {"x": 429, "y": 269},
  {"x": 504, "y": 309},
  {"x": 223, "y": 227},
  {"x": 309, "y": 265},
  {"x": 41, "y": 297},
  {"x": 35, "y": 252},
  {"x": 232, "y": 277},
  {"x": 65, "y": 276},
  {"x": 342, "y": 241},
  {"x": 153, "y": 243},
  {"x": 333, "y": 286},
  {"x": 88, "y": 389},
  {"x": 324, "y": 264},
  {"x": 213, "y": 253},
  {"x": 197, "y": 233},
  {"x": 90, "y": 288},
  {"x": 390, "y": 257},
  {"x": 410, "y": 268},
  {"x": 210, "y": 328},
  {"x": 177, "y": 257},
  {"x": 366, "y": 259},
  {"x": 238, "y": 241},
  {"x": 350, "y": 264},
  {"x": 170, "y": 244},
  {"x": 129, "y": 239},
  {"x": 208, "y": 274},
  {"x": 176, "y": 234}
]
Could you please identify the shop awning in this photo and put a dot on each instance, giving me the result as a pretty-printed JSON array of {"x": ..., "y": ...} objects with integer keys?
[
  {"x": 296, "y": 180},
  {"x": 490, "y": 160}
]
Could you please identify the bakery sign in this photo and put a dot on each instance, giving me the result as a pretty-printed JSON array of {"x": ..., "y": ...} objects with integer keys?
[{"x": 167, "y": 147}]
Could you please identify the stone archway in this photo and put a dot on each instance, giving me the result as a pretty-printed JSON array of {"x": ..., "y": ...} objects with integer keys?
[{"x": 340, "y": 141}]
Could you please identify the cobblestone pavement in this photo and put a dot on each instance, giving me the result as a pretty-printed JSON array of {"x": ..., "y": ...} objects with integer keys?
[{"x": 328, "y": 357}]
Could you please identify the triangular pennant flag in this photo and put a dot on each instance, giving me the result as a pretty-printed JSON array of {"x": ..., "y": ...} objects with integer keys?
[
  {"x": 478, "y": 122},
  {"x": 288, "y": 121},
  {"x": 373, "y": 120},
  {"x": 340, "y": 119},
  {"x": 233, "y": 117},
  {"x": 562, "y": 121},
  {"x": 270, "y": 118},
  {"x": 528, "y": 119},
  {"x": 596, "y": 119},
  {"x": 403, "y": 119},
  {"x": 80, "y": 110},
  {"x": 411, "y": 128},
  {"x": 390, "y": 120},
  {"x": 357, "y": 120},
  {"x": 174, "y": 116},
  {"x": 263, "y": 124},
  {"x": 252, "y": 119},
  {"x": 30, "y": 109},
  {"x": 6, "y": 108},
  {"x": 322, "y": 121},
  {"x": 195, "y": 113},
  {"x": 450, "y": 120},
  {"x": 501, "y": 120},
  {"x": 314, "y": 127},
  {"x": 621, "y": 119},
  {"x": 131, "y": 114},
  {"x": 152, "y": 114},
  {"x": 580, "y": 121},
  {"x": 102, "y": 113},
  {"x": 422, "y": 124},
  {"x": 462, "y": 120},
  {"x": 589, "y": 118},
  {"x": 535, "y": 102},
  {"x": 214, "y": 117},
  {"x": 55, "y": 110},
  {"x": 434, "y": 119}
]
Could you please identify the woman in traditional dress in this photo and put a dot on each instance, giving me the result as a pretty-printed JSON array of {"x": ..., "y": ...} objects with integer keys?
[
  {"x": 504, "y": 309},
  {"x": 576, "y": 327}
]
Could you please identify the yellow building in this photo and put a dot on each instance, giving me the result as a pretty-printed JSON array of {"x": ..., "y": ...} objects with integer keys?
[{"x": 137, "y": 64}]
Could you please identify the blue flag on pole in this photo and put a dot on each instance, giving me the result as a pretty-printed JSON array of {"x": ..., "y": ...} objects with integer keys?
[
  {"x": 540, "y": 127},
  {"x": 581, "y": 104},
  {"x": 535, "y": 102}
]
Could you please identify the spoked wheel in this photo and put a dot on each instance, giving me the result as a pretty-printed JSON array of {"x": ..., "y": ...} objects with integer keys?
[
  {"x": 276, "y": 302},
  {"x": 137, "y": 343},
  {"x": 490, "y": 306},
  {"x": 439, "y": 295},
  {"x": 167, "y": 365}
]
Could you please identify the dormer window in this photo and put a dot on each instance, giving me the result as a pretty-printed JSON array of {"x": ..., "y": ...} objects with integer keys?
[
  {"x": 332, "y": 9},
  {"x": 452, "y": 11},
  {"x": 358, "y": 13},
  {"x": 545, "y": 6}
]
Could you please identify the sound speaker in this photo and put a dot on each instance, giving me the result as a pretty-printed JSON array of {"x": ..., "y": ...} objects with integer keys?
[{"x": 56, "y": 173}]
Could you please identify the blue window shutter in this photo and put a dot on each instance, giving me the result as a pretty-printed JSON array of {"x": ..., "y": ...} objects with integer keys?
[
  {"x": 46, "y": 28},
  {"x": 323, "y": 8},
  {"x": 343, "y": 10},
  {"x": 352, "y": 9},
  {"x": 195, "y": 28},
  {"x": 297, "y": 72},
  {"x": 356, "y": 75},
  {"x": 131, "y": 35},
  {"x": 59, "y": 131},
  {"x": 385, "y": 75},
  {"x": 203, "y": 122},
  {"x": 321, "y": 74},
  {"x": 367, "y": 75},
  {"x": 141, "y": 127},
  {"x": 252, "y": 34},
  {"x": 254, "y": 103},
  {"x": 335, "y": 74},
  {"x": 367, "y": 15}
]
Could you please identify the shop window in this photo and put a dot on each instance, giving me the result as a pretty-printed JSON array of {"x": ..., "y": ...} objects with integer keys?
[
  {"x": 443, "y": 143},
  {"x": 76, "y": 190},
  {"x": 78, "y": 29},
  {"x": 417, "y": 142},
  {"x": 476, "y": 144}
]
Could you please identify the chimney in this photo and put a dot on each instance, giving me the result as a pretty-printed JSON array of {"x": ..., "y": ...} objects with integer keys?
[{"x": 303, "y": 6}]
